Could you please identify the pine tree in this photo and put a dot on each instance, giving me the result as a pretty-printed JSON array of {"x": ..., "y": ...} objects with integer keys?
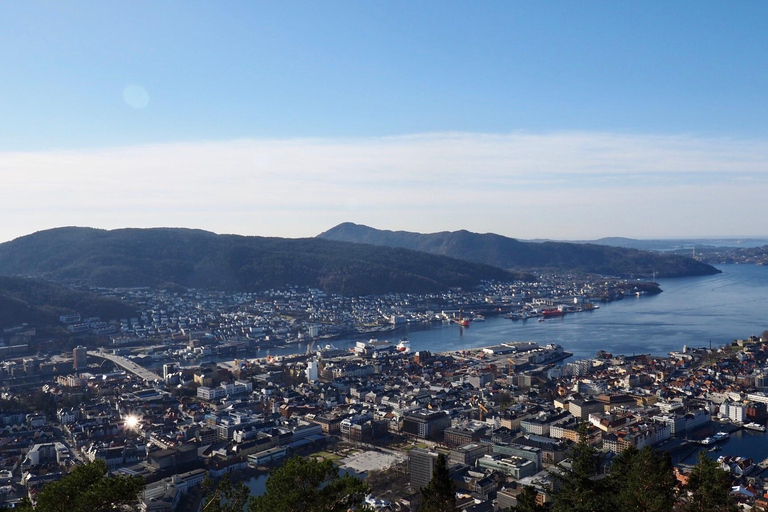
[
  {"x": 307, "y": 485},
  {"x": 439, "y": 495},
  {"x": 224, "y": 497},
  {"x": 87, "y": 489},
  {"x": 579, "y": 489},
  {"x": 526, "y": 501},
  {"x": 709, "y": 488},
  {"x": 643, "y": 481}
]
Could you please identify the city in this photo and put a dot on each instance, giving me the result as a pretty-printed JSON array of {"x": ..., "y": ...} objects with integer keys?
[{"x": 175, "y": 395}]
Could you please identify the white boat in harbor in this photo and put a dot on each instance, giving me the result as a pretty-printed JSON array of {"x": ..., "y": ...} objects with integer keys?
[
  {"x": 755, "y": 426},
  {"x": 404, "y": 345},
  {"x": 720, "y": 436}
]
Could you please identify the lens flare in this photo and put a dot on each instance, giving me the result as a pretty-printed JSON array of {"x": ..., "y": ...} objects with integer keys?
[{"x": 131, "y": 421}]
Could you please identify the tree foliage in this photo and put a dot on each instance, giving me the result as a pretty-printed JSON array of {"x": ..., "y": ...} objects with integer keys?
[
  {"x": 709, "y": 488},
  {"x": 87, "y": 489},
  {"x": 439, "y": 495},
  {"x": 578, "y": 488},
  {"x": 308, "y": 485},
  {"x": 224, "y": 497},
  {"x": 504, "y": 252},
  {"x": 200, "y": 259},
  {"x": 643, "y": 481},
  {"x": 526, "y": 501}
]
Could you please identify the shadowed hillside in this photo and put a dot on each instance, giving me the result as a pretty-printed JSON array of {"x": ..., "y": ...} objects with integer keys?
[
  {"x": 200, "y": 259},
  {"x": 509, "y": 253},
  {"x": 41, "y": 304}
]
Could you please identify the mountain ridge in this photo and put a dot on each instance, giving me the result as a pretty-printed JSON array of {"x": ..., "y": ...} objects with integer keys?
[
  {"x": 513, "y": 254},
  {"x": 202, "y": 259}
]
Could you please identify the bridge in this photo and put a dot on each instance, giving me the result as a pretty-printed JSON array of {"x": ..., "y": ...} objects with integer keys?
[{"x": 127, "y": 365}]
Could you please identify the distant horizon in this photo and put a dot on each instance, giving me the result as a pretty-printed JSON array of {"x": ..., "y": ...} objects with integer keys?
[
  {"x": 573, "y": 240},
  {"x": 557, "y": 120}
]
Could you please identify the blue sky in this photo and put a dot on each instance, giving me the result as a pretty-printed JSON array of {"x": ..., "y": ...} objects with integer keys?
[{"x": 353, "y": 86}]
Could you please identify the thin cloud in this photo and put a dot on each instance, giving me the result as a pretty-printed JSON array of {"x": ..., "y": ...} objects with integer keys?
[{"x": 559, "y": 185}]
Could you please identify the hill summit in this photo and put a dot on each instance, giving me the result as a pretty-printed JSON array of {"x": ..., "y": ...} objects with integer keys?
[
  {"x": 510, "y": 253},
  {"x": 201, "y": 259}
]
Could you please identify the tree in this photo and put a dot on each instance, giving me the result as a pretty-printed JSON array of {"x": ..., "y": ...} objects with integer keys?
[
  {"x": 526, "y": 501},
  {"x": 643, "y": 481},
  {"x": 709, "y": 488},
  {"x": 579, "y": 490},
  {"x": 224, "y": 497},
  {"x": 307, "y": 485},
  {"x": 439, "y": 495},
  {"x": 88, "y": 489}
]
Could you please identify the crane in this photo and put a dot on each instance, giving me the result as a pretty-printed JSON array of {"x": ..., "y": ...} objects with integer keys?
[{"x": 480, "y": 409}]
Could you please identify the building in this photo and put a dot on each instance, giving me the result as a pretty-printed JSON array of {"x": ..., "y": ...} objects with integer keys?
[
  {"x": 312, "y": 371},
  {"x": 460, "y": 436},
  {"x": 469, "y": 453},
  {"x": 426, "y": 424},
  {"x": 421, "y": 465},
  {"x": 80, "y": 358},
  {"x": 514, "y": 467},
  {"x": 583, "y": 408},
  {"x": 734, "y": 411},
  {"x": 168, "y": 369}
]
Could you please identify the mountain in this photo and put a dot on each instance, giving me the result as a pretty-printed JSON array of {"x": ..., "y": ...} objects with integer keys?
[
  {"x": 201, "y": 259},
  {"x": 509, "y": 253},
  {"x": 41, "y": 304}
]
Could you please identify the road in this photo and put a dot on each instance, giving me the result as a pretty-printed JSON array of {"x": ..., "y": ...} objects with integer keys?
[{"x": 127, "y": 365}]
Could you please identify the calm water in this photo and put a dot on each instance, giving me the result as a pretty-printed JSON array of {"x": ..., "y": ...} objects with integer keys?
[
  {"x": 691, "y": 311},
  {"x": 744, "y": 443}
]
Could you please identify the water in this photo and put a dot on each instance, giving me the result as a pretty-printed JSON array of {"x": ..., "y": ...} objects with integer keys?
[
  {"x": 690, "y": 311},
  {"x": 744, "y": 443}
]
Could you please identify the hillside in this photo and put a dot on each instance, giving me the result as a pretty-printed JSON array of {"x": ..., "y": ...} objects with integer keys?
[
  {"x": 513, "y": 254},
  {"x": 40, "y": 303},
  {"x": 200, "y": 259}
]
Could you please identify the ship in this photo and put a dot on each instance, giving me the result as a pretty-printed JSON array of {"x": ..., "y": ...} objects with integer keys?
[
  {"x": 404, "y": 345},
  {"x": 720, "y": 436},
  {"x": 548, "y": 313},
  {"x": 755, "y": 426}
]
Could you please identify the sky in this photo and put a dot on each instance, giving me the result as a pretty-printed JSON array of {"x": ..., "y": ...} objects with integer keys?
[{"x": 562, "y": 120}]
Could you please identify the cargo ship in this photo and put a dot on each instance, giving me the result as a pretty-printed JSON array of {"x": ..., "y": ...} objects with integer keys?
[{"x": 549, "y": 313}]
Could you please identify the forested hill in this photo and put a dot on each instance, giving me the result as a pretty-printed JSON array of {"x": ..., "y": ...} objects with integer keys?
[
  {"x": 200, "y": 259},
  {"x": 509, "y": 253},
  {"x": 41, "y": 304}
]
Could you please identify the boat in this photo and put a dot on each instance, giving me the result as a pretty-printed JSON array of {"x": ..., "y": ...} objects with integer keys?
[
  {"x": 755, "y": 426},
  {"x": 403, "y": 346},
  {"x": 463, "y": 322},
  {"x": 547, "y": 313},
  {"x": 478, "y": 318},
  {"x": 720, "y": 436}
]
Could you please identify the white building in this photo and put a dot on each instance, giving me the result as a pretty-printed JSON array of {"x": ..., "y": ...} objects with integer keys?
[{"x": 312, "y": 371}]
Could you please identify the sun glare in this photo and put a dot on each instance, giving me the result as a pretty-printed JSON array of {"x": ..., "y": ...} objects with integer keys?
[{"x": 131, "y": 421}]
